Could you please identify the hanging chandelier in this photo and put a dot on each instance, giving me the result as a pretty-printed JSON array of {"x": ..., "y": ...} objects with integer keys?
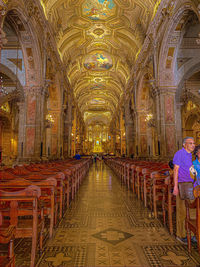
[{"x": 3, "y": 90}]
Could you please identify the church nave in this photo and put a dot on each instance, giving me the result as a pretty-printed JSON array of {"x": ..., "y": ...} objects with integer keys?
[{"x": 107, "y": 226}]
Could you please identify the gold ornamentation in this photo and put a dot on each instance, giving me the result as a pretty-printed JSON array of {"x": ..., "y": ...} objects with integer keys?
[
  {"x": 59, "y": 259},
  {"x": 98, "y": 31},
  {"x": 176, "y": 259}
]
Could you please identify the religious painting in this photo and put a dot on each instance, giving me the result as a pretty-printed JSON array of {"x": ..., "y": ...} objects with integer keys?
[
  {"x": 97, "y": 101},
  {"x": 98, "y": 9},
  {"x": 30, "y": 140},
  {"x": 170, "y": 139},
  {"x": 98, "y": 61},
  {"x": 169, "y": 109}
]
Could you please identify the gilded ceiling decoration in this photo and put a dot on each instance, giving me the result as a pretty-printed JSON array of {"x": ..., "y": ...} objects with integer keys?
[
  {"x": 98, "y": 61},
  {"x": 98, "y": 41},
  {"x": 98, "y": 9}
]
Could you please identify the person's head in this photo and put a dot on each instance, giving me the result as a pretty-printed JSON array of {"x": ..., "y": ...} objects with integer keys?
[
  {"x": 189, "y": 144},
  {"x": 197, "y": 152}
]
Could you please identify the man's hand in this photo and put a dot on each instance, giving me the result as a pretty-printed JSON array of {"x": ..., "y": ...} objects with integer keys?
[{"x": 175, "y": 191}]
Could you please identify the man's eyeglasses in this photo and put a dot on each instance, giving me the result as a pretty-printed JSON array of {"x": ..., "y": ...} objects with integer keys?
[{"x": 190, "y": 143}]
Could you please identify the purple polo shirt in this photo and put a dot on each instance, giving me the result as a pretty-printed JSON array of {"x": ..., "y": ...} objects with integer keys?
[{"x": 184, "y": 160}]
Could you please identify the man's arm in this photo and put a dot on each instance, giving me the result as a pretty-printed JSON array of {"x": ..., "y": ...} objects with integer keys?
[{"x": 176, "y": 168}]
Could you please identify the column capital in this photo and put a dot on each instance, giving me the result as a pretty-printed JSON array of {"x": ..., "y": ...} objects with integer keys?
[
  {"x": 3, "y": 39},
  {"x": 129, "y": 123},
  {"x": 21, "y": 105},
  {"x": 167, "y": 90},
  {"x": 34, "y": 90}
]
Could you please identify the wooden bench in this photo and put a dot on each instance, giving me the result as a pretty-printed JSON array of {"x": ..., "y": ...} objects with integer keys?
[
  {"x": 29, "y": 222},
  {"x": 193, "y": 225},
  {"x": 156, "y": 194},
  {"x": 47, "y": 197},
  {"x": 168, "y": 202},
  {"x": 7, "y": 236}
]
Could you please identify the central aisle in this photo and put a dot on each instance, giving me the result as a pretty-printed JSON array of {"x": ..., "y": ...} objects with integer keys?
[{"x": 107, "y": 226}]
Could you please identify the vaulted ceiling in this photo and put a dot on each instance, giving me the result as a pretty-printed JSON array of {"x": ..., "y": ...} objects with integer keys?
[{"x": 98, "y": 41}]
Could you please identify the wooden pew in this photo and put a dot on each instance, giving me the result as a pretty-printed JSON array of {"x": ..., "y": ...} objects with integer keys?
[
  {"x": 7, "y": 236},
  {"x": 37, "y": 175},
  {"x": 168, "y": 202},
  {"x": 28, "y": 222},
  {"x": 156, "y": 187},
  {"x": 193, "y": 225},
  {"x": 47, "y": 197}
]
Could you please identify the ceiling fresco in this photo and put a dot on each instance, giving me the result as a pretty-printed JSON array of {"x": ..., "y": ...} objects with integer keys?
[
  {"x": 98, "y": 61},
  {"x": 98, "y": 41},
  {"x": 98, "y": 9}
]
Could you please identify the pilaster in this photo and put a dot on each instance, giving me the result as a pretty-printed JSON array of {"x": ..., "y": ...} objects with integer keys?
[
  {"x": 130, "y": 138},
  {"x": 31, "y": 124},
  {"x": 167, "y": 122}
]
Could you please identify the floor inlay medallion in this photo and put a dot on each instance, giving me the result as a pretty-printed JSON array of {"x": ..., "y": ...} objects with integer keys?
[{"x": 112, "y": 236}]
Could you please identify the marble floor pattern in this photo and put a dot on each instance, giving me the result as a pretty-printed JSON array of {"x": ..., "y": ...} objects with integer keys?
[{"x": 107, "y": 226}]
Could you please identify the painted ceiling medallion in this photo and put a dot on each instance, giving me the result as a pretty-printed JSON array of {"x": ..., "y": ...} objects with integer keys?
[
  {"x": 98, "y": 80},
  {"x": 97, "y": 87},
  {"x": 98, "y": 31},
  {"x": 98, "y": 101},
  {"x": 98, "y": 9},
  {"x": 98, "y": 61}
]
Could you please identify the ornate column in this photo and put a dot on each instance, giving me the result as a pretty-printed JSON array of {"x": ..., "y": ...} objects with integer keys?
[
  {"x": 3, "y": 39},
  {"x": 39, "y": 122},
  {"x": 113, "y": 144},
  {"x": 67, "y": 129},
  {"x": 1, "y": 126},
  {"x": 31, "y": 124},
  {"x": 45, "y": 125},
  {"x": 178, "y": 121},
  {"x": 22, "y": 132},
  {"x": 168, "y": 122},
  {"x": 130, "y": 131},
  {"x": 130, "y": 140}
]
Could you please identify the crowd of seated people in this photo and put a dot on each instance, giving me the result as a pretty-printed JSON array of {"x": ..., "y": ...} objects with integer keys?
[
  {"x": 33, "y": 199},
  {"x": 154, "y": 183}
]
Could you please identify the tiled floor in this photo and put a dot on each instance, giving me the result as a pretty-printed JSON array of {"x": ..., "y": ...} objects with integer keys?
[{"x": 107, "y": 226}]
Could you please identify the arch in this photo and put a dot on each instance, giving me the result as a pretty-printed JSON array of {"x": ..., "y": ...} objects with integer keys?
[
  {"x": 186, "y": 76},
  {"x": 14, "y": 78},
  {"x": 32, "y": 76},
  {"x": 165, "y": 45}
]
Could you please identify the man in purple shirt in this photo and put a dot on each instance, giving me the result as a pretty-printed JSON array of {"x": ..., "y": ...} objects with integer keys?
[{"x": 182, "y": 162}]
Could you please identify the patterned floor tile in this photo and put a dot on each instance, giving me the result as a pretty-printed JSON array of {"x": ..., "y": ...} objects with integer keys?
[
  {"x": 74, "y": 222},
  {"x": 169, "y": 255},
  {"x": 67, "y": 256},
  {"x": 112, "y": 236}
]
